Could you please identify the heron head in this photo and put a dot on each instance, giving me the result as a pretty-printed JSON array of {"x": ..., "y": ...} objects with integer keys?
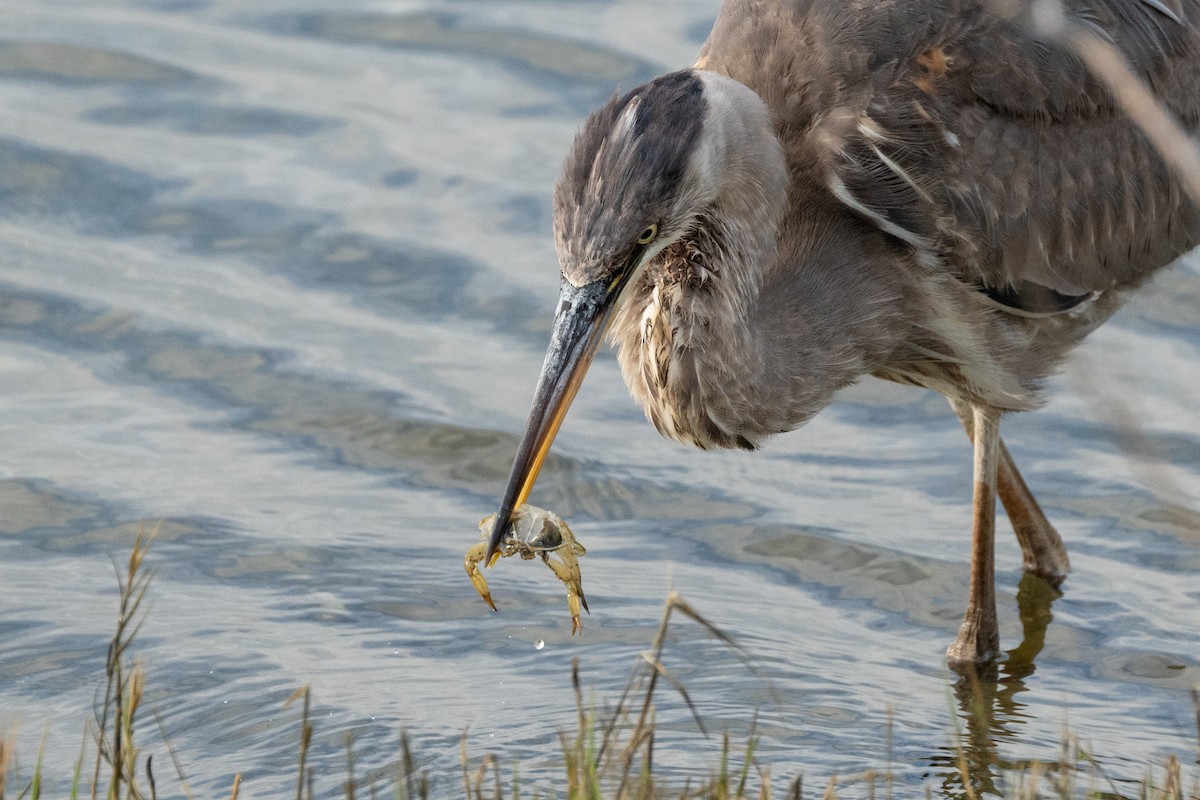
[
  {"x": 627, "y": 182},
  {"x": 641, "y": 170}
]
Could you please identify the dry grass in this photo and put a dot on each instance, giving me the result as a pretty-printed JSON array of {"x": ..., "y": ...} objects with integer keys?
[
  {"x": 609, "y": 755},
  {"x": 113, "y": 733}
]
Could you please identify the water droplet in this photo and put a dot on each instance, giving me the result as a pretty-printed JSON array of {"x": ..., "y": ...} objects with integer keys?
[{"x": 539, "y": 644}]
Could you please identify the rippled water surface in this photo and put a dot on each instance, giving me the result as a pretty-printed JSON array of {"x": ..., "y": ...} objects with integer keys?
[{"x": 279, "y": 275}]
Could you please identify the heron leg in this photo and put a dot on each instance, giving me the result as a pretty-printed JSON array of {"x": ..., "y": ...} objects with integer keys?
[
  {"x": 979, "y": 636},
  {"x": 1043, "y": 549}
]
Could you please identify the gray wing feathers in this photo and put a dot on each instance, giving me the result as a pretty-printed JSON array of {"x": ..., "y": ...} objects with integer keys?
[
  {"x": 956, "y": 130},
  {"x": 1054, "y": 183}
]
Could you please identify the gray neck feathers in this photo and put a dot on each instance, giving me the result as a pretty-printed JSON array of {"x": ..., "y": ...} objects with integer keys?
[
  {"x": 687, "y": 317},
  {"x": 740, "y": 172}
]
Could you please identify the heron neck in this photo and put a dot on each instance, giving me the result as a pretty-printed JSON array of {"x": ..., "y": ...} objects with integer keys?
[
  {"x": 741, "y": 167},
  {"x": 747, "y": 324},
  {"x": 732, "y": 337}
]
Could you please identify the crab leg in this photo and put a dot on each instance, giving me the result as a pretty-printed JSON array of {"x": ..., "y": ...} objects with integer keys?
[
  {"x": 569, "y": 575},
  {"x": 471, "y": 563}
]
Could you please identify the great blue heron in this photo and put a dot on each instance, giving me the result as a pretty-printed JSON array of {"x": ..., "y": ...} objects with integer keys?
[{"x": 922, "y": 190}]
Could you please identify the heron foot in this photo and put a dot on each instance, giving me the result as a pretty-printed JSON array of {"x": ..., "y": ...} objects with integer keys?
[{"x": 978, "y": 642}]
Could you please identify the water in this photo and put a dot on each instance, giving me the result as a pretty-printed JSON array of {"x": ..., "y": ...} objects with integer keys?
[{"x": 279, "y": 276}]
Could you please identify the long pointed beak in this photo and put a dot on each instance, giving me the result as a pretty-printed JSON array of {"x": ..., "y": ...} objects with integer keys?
[{"x": 579, "y": 325}]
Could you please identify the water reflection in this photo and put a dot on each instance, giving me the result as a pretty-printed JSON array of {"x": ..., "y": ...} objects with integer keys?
[
  {"x": 77, "y": 64},
  {"x": 988, "y": 703},
  {"x": 549, "y": 56}
]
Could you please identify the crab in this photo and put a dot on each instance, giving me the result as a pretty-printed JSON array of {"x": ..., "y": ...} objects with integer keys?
[{"x": 534, "y": 532}]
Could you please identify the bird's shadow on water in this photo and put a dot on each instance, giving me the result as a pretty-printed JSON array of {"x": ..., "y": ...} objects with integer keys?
[{"x": 990, "y": 708}]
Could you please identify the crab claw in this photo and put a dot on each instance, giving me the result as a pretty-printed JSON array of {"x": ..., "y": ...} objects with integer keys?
[
  {"x": 567, "y": 571},
  {"x": 573, "y": 602},
  {"x": 471, "y": 564}
]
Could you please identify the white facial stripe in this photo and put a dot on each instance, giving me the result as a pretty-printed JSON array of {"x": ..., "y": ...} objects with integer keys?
[{"x": 623, "y": 128}]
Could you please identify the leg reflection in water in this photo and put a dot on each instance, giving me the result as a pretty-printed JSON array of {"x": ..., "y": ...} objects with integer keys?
[{"x": 987, "y": 700}]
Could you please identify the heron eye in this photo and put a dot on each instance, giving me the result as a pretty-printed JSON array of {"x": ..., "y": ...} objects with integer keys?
[{"x": 648, "y": 235}]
